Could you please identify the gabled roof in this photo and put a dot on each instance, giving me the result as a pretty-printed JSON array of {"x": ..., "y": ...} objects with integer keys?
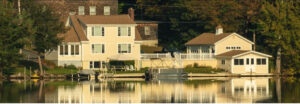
[
  {"x": 75, "y": 32},
  {"x": 70, "y": 36},
  {"x": 207, "y": 38},
  {"x": 78, "y": 28},
  {"x": 106, "y": 19},
  {"x": 237, "y": 53}
]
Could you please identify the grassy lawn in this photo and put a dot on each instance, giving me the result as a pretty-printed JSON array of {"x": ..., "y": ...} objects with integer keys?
[
  {"x": 61, "y": 71},
  {"x": 202, "y": 69}
]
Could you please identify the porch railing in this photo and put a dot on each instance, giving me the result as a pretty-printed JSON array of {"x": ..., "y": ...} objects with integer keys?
[
  {"x": 180, "y": 56},
  {"x": 155, "y": 55}
]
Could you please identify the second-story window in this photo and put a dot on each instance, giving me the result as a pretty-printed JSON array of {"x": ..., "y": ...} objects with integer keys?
[
  {"x": 98, "y": 48},
  {"x": 147, "y": 30},
  {"x": 92, "y": 10},
  {"x": 106, "y": 10},
  {"x": 98, "y": 31},
  {"x": 81, "y": 10},
  {"x": 124, "y": 48},
  {"x": 124, "y": 31}
]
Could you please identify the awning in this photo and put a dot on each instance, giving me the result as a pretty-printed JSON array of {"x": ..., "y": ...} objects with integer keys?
[{"x": 121, "y": 57}]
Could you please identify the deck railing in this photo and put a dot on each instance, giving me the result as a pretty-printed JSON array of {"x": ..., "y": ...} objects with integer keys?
[
  {"x": 155, "y": 55},
  {"x": 180, "y": 56}
]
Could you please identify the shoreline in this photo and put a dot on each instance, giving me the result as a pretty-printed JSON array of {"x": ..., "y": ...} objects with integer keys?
[{"x": 142, "y": 75}]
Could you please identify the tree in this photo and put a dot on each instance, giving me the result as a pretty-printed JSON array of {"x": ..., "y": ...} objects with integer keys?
[
  {"x": 15, "y": 32},
  {"x": 281, "y": 28},
  {"x": 48, "y": 26}
]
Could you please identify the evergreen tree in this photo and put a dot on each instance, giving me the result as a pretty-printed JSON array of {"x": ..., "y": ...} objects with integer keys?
[
  {"x": 281, "y": 28},
  {"x": 15, "y": 32},
  {"x": 48, "y": 26}
]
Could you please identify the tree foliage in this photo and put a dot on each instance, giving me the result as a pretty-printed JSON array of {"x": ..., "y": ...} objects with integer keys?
[
  {"x": 48, "y": 26},
  {"x": 281, "y": 28},
  {"x": 15, "y": 32}
]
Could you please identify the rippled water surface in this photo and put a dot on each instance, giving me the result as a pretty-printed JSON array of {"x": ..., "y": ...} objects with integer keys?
[{"x": 196, "y": 90}]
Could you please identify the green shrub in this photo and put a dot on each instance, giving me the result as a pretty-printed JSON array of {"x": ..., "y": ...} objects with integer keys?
[{"x": 70, "y": 67}]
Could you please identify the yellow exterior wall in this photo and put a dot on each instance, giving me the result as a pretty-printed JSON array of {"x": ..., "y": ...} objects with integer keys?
[
  {"x": 226, "y": 66},
  {"x": 258, "y": 68},
  {"x": 232, "y": 40},
  {"x": 110, "y": 40}
]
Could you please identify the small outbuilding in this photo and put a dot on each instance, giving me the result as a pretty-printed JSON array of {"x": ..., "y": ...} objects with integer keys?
[{"x": 244, "y": 61}]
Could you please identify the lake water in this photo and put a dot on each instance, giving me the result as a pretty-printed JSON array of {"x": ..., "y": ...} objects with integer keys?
[{"x": 192, "y": 90}]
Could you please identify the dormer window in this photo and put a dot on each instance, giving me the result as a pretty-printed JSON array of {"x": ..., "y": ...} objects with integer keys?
[
  {"x": 147, "y": 30},
  {"x": 81, "y": 10},
  {"x": 92, "y": 10},
  {"x": 106, "y": 10}
]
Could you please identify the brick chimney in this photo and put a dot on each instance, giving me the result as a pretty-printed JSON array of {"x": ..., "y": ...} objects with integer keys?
[
  {"x": 219, "y": 30},
  {"x": 131, "y": 13}
]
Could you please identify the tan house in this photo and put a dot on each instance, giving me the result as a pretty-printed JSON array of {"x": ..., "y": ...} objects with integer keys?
[
  {"x": 93, "y": 41},
  {"x": 232, "y": 52}
]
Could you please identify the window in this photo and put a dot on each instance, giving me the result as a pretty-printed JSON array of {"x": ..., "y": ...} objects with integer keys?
[
  {"x": 261, "y": 61},
  {"x": 264, "y": 61},
  {"x": 258, "y": 61},
  {"x": 63, "y": 50},
  {"x": 77, "y": 50},
  {"x": 97, "y": 64},
  {"x": 252, "y": 61},
  {"x": 98, "y": 48},
  {"x": 228, "y": 48},
  {"x": 238, "y": 47},
  {"x": 106, "y": 10},
  {"x": 147, "y": 30},
  {"x": 129, "y": 31},
  {"x": 92, "y": 10},
  {"x": 241, "y": 61},
  {"x": 98, "y": 31},
  {"x": 223, "y": 62},
  {"x": 124, "y": 31},
  {"x": 74, "y": 49},
  {"x": 66, "y": 50},
  {"x": 238, "y": 61},
  {"x": 81, "y": 10},
  {"x": 124, "y": 48},
  {"x": 247, "y": 61},
  {"x": 233, "y": 48}
]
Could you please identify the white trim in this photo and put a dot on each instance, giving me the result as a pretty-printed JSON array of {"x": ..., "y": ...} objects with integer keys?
[{"x": 235, "y": 35}]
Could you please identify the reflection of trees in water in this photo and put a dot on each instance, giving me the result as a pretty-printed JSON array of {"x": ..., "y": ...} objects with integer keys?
[
  {"x": 121, "y": 86},
  {"x": 18, "y": 92}
]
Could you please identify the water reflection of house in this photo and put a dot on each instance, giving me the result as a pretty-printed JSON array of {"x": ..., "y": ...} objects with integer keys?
[
  {"x": 245, "y": 90},
  {"x": 104, "y": 92}
]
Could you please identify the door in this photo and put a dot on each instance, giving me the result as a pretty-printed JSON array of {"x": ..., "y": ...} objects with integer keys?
[{"x": 250, "y": 66}]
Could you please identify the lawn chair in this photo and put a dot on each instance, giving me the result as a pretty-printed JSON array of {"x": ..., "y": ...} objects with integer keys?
[
  {"x": 132, "y": 68},
  {"x": 127, "y": 68}
]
